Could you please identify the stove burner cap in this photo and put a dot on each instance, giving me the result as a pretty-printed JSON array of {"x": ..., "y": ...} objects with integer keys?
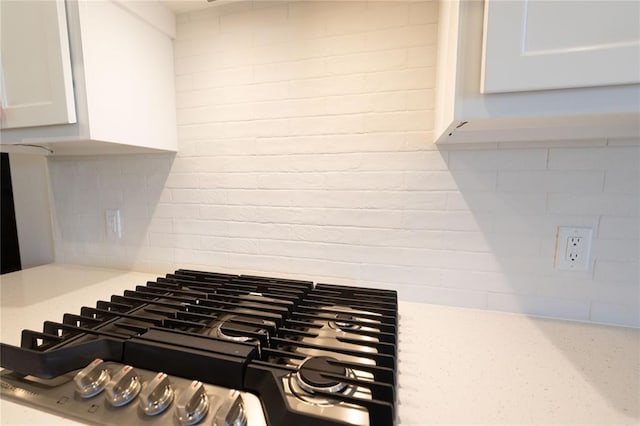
[
  {"x": 310, "y": 376},
  {"x": 224, "y": 331},
  {"x": 342, "y": 322}
]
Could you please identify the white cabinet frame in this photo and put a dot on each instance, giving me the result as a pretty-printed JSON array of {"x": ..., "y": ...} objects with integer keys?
[
  {"x": 543, "y": 44},
  {"x": 35, "y": 65}
]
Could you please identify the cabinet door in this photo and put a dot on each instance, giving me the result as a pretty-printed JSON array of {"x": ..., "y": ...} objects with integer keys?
[
  {"x": 543, "y": 44},
  {"x": 37, "y": 85}
]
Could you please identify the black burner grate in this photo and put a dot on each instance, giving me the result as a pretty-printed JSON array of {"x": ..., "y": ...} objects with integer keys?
[{"x": 244, "y": 332}]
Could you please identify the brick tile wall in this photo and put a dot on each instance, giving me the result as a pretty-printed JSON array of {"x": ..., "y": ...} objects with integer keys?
[{"x": 305, "y": 150}]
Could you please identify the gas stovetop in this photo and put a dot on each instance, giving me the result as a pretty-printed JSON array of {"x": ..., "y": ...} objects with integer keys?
[{"x": 198, "y": 347}]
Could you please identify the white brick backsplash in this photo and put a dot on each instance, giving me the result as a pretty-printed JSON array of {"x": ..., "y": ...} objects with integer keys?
[
  {"x": 184, "y": 83},
  {"x": 498, "y": 202},
  {"x": 398, "y": 200},
  {"x": 199, "y": 227},
  {"x": 624, "y": 142},
  {"x": 199, "y": 131},
  {"x": 183, "y": 180},
  {"x": 326, "y": 86},
  {"x": 610, "y": 292},
  {"x": 550, "y": 222},
  {"x": 373, "y": 218},
  {"x": 549, "y": 307},
  {"x": 253, "y": 92},
  {"x": 397, "y": 121},
  {"x": 438, "y": 181},
  {"x": 363, "y": 180},
  {"x": 98, "y": 166},
  {"x": 200, "y": 257},
  {"x": 317, "y": 198},
  {"x": 506, "y": 159},
  {"x": 165, "y": 210},
  {"x": 423, "y": 12},
  {"x": 235, "y": 112},
  {"x": 281, "y": 198},
  {"x": 330, "y": 46},
  {"x": 306, "y": 151},
  {"x": 200, "y": 27},
  {"x": 160, "y": 225},
  {"x": 187, "y": 99},
  {"x": 550, "y": 181},
  {"x": 566, "y": 286},
  {"x": 626, "y": 181},
  {"x": 181, "y": 241},
  {"x": 228, "y": 180},
  {"x": 403, "y": 275},
  {"x": 604, "y": 204},
  {"x": 619, "y": 227},
  {"x": 621, "y": 272},
  {"x": 420, "y": 99},
  {"x": 610, "y": 313},
  {"x": 292, "y": 108},
  {"x": 359, "y": 143},
  {"x": 415, "y": 78},
  {"x": 264, "y": 230},
  {"x": 340, "y": 124},
  {"x": 445, "y": 296},
  {"x": 362, "y": 16},
  {"x": 408, "y": 36},
  {"x": 594, "y": 158},
  {"x": 367, "y": 62},
  {"x": 565, "y": 143},
  {"x": 450, "y": 221},
  {"x": 296, "y": 181},
  {"x": 214, "y": 147},
  {"x": 84, "y": 205},
  {"x": 542, "y": 225},
  {"x": 234, "y": 245},
  {"x": 422, "y": 56},
  {"x": 487, "y": 281},
  {"x": 247, "y": 20},
  {"x": 617, "y": 249},
  {"x": 293, "y": 70},
  {"x": 501, "y": 245},
  {"x": 192, "y": 196}
]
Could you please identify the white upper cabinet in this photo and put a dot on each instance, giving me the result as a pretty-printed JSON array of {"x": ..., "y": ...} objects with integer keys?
[
  {"x": 121, "y": 62},
  {"x": 512, "y": 71},
  {"x": 36, "y": 86},
  {"x": 542, "y": 44}
]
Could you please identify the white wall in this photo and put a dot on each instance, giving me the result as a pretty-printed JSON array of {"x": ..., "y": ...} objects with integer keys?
[{"x": 305, "y": 151}]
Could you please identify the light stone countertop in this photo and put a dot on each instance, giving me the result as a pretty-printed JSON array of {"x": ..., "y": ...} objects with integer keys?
[{"x": 455, "y": 366}]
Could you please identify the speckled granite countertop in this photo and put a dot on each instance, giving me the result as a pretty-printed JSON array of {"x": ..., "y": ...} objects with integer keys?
[
  {"x": 455, "y": 366},
  {"x": 463, "y": 366}
]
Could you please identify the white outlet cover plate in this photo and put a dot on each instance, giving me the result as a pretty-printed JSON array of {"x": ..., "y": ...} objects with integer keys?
[
  {"x": 113, "y": 224},
  {"x": 573, "y": 257}
]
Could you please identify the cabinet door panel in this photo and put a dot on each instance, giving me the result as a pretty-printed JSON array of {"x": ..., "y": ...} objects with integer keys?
[
  {"x": 37, "y": 85},
  {"x": 543, "y": 44}
]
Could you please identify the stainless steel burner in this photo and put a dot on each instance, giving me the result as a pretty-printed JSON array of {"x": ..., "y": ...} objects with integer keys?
[
  {"x": 310, "y": 375},
  {"x": 222, "y": 335},
  {"x": 303, "y": 396},
  {"x": 344, "y": 322},
  {"x": 218, "y": 331}
]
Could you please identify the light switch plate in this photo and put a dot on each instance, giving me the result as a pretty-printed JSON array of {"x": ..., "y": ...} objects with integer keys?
[
  {"x": 573, "y": 248},
  {"x": 113, "y": 224}
]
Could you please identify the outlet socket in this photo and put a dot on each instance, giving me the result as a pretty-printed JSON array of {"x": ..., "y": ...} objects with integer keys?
[{"x": 573, "y": 248}]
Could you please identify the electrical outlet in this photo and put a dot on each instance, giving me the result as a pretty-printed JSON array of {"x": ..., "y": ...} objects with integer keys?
[
  {"x": 573, "y": 248},
  {"x": 113, "y": 224}
]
